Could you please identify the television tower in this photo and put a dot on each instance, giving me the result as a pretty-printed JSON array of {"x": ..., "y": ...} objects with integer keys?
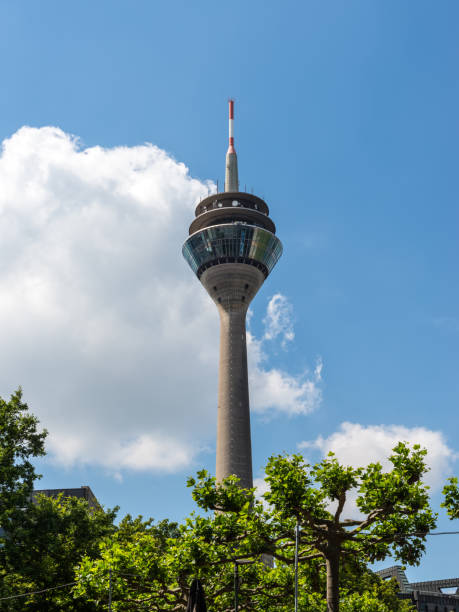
[{"x": 232, "y": 248}]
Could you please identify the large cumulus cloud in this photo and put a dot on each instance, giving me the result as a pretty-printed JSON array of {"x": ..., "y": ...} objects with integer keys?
[{"x": 100, "y": 320}]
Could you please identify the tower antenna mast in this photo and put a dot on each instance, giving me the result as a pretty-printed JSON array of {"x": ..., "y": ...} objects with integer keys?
[{"x": 231, "y": 173}]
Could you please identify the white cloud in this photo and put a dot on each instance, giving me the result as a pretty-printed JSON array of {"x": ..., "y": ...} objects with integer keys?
[
  {"x": 358, "y": 445},
  {"x": 101, "y": 320},
  {"x": 261, "y": 487},
  {"x": 275, "y": 391},
  {"x": 278, "y": 320},
  {"x": 152, "y": 452}
]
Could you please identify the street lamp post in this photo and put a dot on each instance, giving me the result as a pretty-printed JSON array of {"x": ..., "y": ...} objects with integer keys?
[{"x": 297, "y": 541}]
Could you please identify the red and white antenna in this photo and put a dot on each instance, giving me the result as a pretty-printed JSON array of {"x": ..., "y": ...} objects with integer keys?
[
  {"x": 231, "y": 174},
  {"x": 231, "y": 127}
]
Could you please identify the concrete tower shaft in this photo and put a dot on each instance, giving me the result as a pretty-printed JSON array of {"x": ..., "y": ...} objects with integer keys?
[
  {"x": 232, "y": 248},
  {"x": 232, "y": 287}
]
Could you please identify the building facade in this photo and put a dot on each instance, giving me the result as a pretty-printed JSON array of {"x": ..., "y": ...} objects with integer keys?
[
  {"x": 81, "y": 492},
  {"x": 430, "y": 596}
]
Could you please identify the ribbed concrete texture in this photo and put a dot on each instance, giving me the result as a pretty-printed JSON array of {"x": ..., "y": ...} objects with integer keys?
[{"x": 232, "y": 287}]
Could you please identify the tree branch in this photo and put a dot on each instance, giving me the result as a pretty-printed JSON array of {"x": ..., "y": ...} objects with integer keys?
[{"x": 341, "y": 502}]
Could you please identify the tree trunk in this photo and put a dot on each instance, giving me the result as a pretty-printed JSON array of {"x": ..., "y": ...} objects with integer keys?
[{"x": 332, "y": 565}]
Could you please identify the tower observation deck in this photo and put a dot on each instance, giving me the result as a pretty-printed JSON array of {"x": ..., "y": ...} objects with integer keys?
[{"x": 232, "y": 248}]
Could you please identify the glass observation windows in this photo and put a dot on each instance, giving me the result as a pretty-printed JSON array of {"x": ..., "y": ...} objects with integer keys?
[{"x": 232, "y": 242}]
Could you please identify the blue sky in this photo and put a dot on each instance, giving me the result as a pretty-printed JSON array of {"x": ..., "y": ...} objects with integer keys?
[{"x": 346, "y": 123}]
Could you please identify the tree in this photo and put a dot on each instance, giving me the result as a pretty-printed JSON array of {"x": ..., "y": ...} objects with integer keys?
[
  {"x": 42, "y": 540},
  {"x": 451, "y": 493},
  {"x": 47, "y": 540},
  {"x": 140, "y": 561},
  {"x": 20, "y": 441},
  {"x": 154, "y": 572},
  {"x": 395, "y": 507}
]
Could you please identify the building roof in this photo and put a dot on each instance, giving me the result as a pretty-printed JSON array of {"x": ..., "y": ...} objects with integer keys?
[
  {"x": 81, "y": 492},
  {"x": 424, "y": 593}
]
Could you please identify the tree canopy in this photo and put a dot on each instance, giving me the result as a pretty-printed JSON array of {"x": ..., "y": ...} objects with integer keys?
[
  {"x": 346, "y": 517},
  {"x": 20, "y": 442},
  {"x": 451, "y": 501},
  {"x": 44, "y": 545},
  {"x": 395, "y": 515},
  {"x": 392, "y": 517}
]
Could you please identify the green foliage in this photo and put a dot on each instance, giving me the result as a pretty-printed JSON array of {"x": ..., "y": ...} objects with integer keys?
[
  {"x": 150, "y": 565},
  {"x": 371, "y": 594},
  {"x": 42, "y": 541},
  {"x": 155, "y": 569},
  {"x": 372, "y": 602},
  {"x": 20, "y": 441},
  {"x": 451, "y": 493},
  {"x": 154, "y": 575},
  {"x": 395, "y": 504},
  {"x": 43, "y": 546}
]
